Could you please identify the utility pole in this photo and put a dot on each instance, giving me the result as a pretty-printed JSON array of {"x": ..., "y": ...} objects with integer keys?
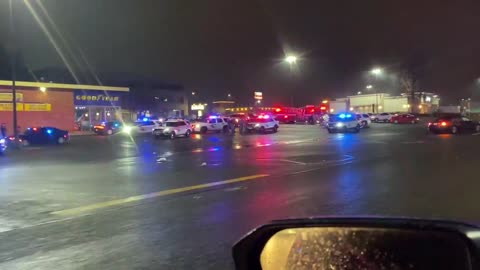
[{"x": 13, "y": 70}]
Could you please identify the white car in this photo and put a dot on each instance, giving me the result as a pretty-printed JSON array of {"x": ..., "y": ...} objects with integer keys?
[
  {"x": 342, "y": 122},
  {"x": 212, "y": 123},
  {"x": 144, "y": 126},
  {"x": 262, "y": 124},
  {"x": 173, "y": 129},
  {"x": 382, "y": 117},
  {"x": 364, "y": 120}
]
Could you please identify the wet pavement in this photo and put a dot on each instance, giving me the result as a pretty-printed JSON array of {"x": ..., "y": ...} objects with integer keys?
[{"x": 125, "y": 202}]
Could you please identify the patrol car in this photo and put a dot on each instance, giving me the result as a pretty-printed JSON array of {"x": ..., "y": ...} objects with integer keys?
[
  {"x": 342, "y": 122},
  {"x": 262, "y": 124},
  {"x": 172, "y": 129},
  {"x": 142, "y": 126},
  {"x": 212, "y": 123}
]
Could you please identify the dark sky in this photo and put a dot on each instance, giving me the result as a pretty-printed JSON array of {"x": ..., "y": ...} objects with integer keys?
[{"x": 220, "y": 46}]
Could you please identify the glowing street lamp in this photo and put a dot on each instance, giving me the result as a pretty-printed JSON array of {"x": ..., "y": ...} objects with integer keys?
[
  {"x": 369, "y": 86},
  {"x": 291, "y": 59},
  {"x": 376, "y": 71}
]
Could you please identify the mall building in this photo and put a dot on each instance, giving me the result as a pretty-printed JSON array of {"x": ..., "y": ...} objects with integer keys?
[{"x": 65, "y": 106}]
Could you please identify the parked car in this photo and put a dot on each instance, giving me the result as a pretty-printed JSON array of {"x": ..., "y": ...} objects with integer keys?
[
  {"x": 142, "y": 126},
  {"x": 262, "y": 124},
  {"x": 382, "y": 117},
  {"x": 212, "y": 123},
  {"x": 454, "y": 125},
  {"x": 44, "y": 135},
  {"x": 404, "y": 118},
  {"x": 364, "y": 120},
  {"x": 342, "y": 122},
  {"x": 107, "y": 128}
]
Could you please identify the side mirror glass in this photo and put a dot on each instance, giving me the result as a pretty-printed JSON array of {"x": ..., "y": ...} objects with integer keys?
[{"x": 363, "y": 248}]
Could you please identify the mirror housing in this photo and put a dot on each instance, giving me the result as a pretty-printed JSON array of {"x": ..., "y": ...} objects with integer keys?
[{"x": 247, "y": 252}]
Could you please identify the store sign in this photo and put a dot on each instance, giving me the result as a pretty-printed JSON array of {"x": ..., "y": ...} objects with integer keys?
[
  {"x": 8, "y": 97},
  {"x": 197, "y": 107},
  {"x": 258, "y": 95},
  {"x": 96, "y": 98},
  {"x": 26, "y": 107}
]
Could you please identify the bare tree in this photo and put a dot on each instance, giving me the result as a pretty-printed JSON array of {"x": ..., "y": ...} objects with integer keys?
[{"x": 411, "y": 72}]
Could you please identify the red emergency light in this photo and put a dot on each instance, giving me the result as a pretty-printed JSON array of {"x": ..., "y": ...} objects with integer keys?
[{"x": 277, "y": 109}]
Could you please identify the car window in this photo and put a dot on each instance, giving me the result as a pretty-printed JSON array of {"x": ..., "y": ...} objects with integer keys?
[
  {"x": 212, "y": 121},
  {"x": 384, "y": 114},
  {"x": 365, "y": 115}
]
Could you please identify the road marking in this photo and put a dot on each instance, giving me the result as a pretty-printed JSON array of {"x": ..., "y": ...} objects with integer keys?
[
  {"x": 283, "y": 160},
  {"x": 100, "y": 205}
]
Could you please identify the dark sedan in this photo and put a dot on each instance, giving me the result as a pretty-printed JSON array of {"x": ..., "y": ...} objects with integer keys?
[
  {"x": 107, "y": 128},
  {"x": 44, "y": 135},
  {"x": 454, "y": 125}
]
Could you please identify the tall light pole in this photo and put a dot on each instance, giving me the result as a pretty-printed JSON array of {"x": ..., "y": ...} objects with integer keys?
[
  {"x": 291, "y": 60},
  {"x": 13, "y": 64},
  {"x": 376, "y": 72}
]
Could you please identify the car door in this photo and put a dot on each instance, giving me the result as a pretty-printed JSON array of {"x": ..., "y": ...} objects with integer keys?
[
  {"x": 467, "y": 124},
  {"x": 182, "y": 127}
]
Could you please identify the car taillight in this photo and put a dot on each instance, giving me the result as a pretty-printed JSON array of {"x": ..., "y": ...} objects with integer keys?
[
  {"x": 443, "y": 124},
  {"x": 429, "y": 124}
]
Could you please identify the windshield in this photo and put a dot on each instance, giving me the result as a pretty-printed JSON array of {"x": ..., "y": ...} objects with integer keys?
[{"x": 192, "y": 165}]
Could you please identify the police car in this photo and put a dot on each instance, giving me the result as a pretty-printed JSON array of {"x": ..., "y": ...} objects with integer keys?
[
  {"x": 342, "y": 122},
  {"x": 142, "y": 126},
  {"x": 262, "y": 124},
  {"x": 173, "y": 129},
  {"x": 212, "y": 123}
]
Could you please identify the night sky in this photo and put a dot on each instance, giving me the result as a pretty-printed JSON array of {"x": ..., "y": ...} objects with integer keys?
[{"x": 215, "y": 47}]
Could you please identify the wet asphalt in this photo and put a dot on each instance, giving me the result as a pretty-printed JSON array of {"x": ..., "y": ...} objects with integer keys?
[{"x": 124, "y": 202}]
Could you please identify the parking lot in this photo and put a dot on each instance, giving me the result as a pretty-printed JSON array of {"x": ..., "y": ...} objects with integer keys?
[{"x": 135, "y": 195}]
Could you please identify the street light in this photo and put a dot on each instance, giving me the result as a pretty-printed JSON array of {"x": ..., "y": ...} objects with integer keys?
[
  {"x": 229, "y": 95},
  {"x": 376, "y": 71},
  {"x": 193, "y": 93},
  {"x": 291, "y": 59},
  {"x": 359, "y": 92},
  {"x": 369, "y": 86}
]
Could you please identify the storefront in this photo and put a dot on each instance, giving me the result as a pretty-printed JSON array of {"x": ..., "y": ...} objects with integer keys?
[
  {"x": 94, "y": 107},
  {"x": 52, "y": 104}
]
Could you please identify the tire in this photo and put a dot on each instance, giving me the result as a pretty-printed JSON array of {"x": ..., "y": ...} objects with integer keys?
[
  {"x": 262, "y": 130},
  {"x": 109, "y": 132},
  {"x": 275, "y": 129},
  {"x": 61, "y": 140},
  {"x": 375, "y": 120},
  {"x": 356, "y": 130},
  {"x": 364, "y": 124},
  {"x": 157, "y": 137},
  {"x": 203, "y": 130},
  {"x": 454, "y": 130},
  {"x": 173, "y": 135},
  {"x": 187, "y": 134},
  {"x": 330, "y": 130}
]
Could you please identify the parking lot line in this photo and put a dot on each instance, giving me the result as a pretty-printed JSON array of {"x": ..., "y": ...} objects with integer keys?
[{"x": 96, "y": 206}]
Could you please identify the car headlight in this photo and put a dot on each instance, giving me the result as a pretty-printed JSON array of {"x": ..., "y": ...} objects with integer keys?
[
  {"x": 339, "y": 125},
  {"x": 166, "y": 130},
  {"x": 127, "y": 129},
  {"x": 197, "y": 126},
  {"x": 2, "y": 141},
  {"x": 257, "y": 125}
]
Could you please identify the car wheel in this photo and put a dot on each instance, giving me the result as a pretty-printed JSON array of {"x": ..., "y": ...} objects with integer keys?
[
  {"x": 330, "y": 130},
  {"x": 173, "y": 135},
  {"x": 454, "y": 130},
  {"x": 187, "y": 134},
  {"x": 375, "y": 120},
  {"x": 157, "y": 137},
  {"x": 275, "y": 129},
  {"x": 61, "y": 140},
  {"x": 109, "y": 132},
  {"x": 262, "y": 130},
  {"x": 203, "y": 130}
]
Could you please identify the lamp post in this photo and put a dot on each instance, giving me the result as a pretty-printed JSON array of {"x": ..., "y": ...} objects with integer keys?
[
  {"x": 291, "y": 60},
  {"x": 13, "y": 65},
  {"x": 376, "y": 72}
]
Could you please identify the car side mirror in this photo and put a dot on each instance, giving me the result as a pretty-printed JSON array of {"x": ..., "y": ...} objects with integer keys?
[{"x": 359, "y": 243}]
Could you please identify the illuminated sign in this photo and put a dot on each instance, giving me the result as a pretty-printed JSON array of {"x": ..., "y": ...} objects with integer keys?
[
  {"x": 96, "y": 98},
  {"x": 258, "y": 95},
  {"x": 428, "y": 99},
  {"x": 27, "y": 107},
  {"x": 197, "y": 107},
  {"x": 8, "y": 97}
]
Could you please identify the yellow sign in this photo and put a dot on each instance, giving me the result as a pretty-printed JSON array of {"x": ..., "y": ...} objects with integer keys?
[
  {"x": 28, "y": 107},
  {"x": 8, "y": 97},
  {"x": 196, "y": 107},
  {"x": 9, "y": 107},
  {"x": 43, "y": 107}
]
